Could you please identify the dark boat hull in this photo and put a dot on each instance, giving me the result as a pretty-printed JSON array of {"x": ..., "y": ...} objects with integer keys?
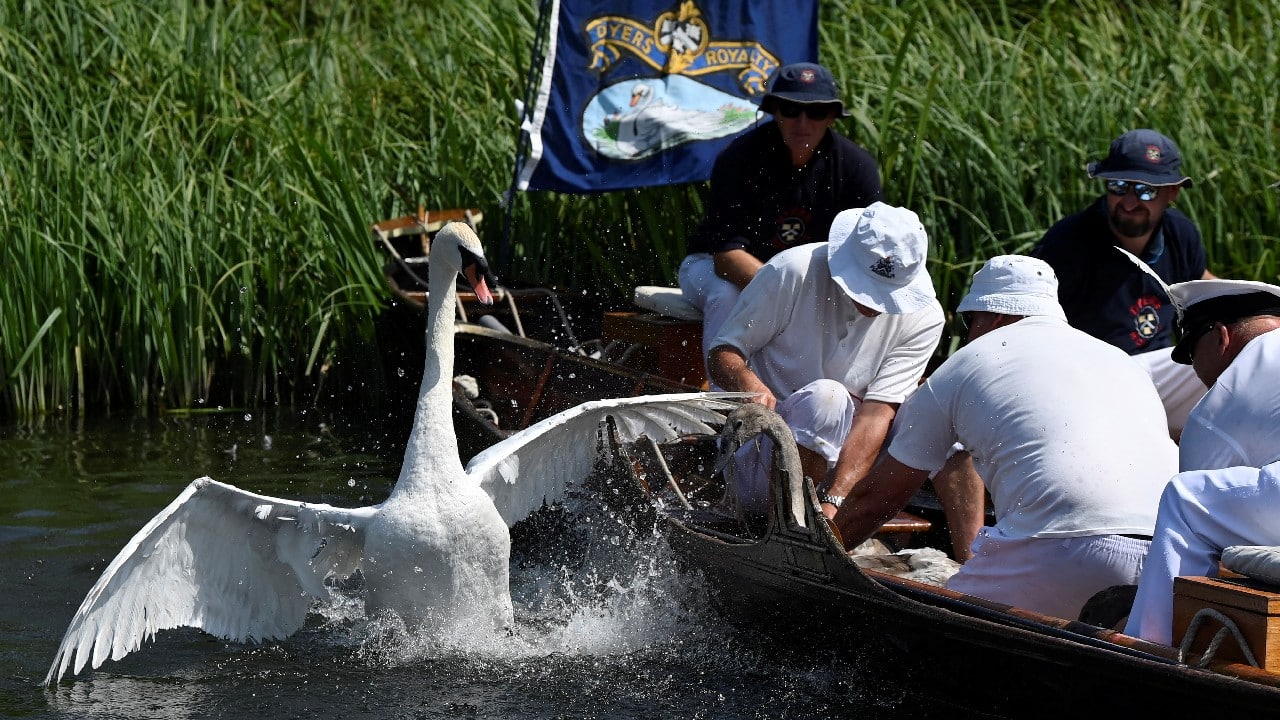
[{"x": 796, "y": 582}]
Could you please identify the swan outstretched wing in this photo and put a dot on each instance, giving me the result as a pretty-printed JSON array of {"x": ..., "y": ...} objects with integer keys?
[
  {"x": 235, "y": 564},
  {"x": 536, "y": 464},
  {"x": 1164, "y": 286}
]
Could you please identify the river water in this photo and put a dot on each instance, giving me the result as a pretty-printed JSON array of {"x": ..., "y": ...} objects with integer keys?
[{"x": 608, "y": 627}]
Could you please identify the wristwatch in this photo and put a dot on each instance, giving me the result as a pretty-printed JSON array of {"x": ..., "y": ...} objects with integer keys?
[{"x": 836, "y": 500}]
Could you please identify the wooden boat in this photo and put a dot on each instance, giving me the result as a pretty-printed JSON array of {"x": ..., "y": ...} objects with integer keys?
[
  {"x": 520, "y": 360},
  {"x": 788, "y": 575},
  {"x": 792, "y": 579}
]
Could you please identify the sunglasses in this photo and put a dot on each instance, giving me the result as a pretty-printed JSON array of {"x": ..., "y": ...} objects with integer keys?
[
  {"x": 792, "y": 110},
  {"x": 1120, "y": 188}
]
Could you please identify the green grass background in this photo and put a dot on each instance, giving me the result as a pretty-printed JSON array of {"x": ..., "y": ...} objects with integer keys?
[{"x": 186, "y": 187}]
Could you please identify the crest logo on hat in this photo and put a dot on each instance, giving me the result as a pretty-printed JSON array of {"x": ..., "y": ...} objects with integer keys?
[
  {"x": 808, "y": 76},
  {"x": 884, "y": 267},
  {"x": 1153, "y": 153}
]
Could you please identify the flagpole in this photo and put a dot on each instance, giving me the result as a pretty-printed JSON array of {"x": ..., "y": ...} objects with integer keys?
[{"x": 538, "y": 57}]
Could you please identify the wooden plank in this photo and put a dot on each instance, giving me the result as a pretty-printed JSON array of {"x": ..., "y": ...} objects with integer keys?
[
  {"x": 1248, "y": 595},
  {"x": 905, "y": 522},
  {"x": 427, "y": 221}
]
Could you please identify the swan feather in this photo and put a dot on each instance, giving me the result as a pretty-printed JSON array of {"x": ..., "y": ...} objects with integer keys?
[
  {"x": 235, "y": 564},
  {"x": 537, "y": 464}
]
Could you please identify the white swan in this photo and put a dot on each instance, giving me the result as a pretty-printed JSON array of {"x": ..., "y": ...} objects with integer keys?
[
  {"x": 637, "y": 131},
  {"x": 651, "y": 126},
  {"x": 436, "y": 553}
]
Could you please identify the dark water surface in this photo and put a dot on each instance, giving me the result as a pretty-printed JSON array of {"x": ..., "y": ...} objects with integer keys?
[{"x": 608, "y": 627}]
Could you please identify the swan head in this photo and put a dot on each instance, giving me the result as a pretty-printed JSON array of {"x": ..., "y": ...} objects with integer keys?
[
  {"x": 640, "y": 93},
  {"x": 457, "y": 248}
]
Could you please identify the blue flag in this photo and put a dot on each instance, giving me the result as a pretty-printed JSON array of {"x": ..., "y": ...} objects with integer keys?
[{"x": 648, "y": 92}]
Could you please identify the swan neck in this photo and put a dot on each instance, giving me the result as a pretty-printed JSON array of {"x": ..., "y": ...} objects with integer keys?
[{"x": 433, "y": 443}]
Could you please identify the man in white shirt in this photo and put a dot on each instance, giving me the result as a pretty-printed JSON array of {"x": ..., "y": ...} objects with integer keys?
[
  {"x": 1066, "y": 431},
  {"x": 834, "y": 336},
  {"x": 1221, "y": 498},
  {"x": 1237, "y": 422}
]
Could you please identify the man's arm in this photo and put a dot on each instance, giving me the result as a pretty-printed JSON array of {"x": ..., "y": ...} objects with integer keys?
[
  {"x": 866, "y": 436},
  {"x": 877, "y": 498},
  {"x": 964, "y": 500},
  {"x": 737, "y": 266},
  {"x": 730, "y": 371}
]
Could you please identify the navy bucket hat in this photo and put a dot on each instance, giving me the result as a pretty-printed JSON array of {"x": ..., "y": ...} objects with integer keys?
[{"x": 804, "y": 83}]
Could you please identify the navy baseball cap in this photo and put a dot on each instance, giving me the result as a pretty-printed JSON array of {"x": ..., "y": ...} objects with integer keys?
[
  {"x": 805, "y": 83},
  {"x": 1142, "y": 156}
]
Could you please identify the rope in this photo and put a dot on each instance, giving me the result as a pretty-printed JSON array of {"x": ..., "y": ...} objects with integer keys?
[{"x": 1228, "y": 627}]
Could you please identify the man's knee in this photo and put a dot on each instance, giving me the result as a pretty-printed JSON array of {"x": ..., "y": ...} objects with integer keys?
[
  {"x": 820, "y": 415},
  {"x": 821, "y": 397}
]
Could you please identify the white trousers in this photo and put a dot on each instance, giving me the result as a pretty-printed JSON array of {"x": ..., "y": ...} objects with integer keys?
[
  {"x": 820, "y": 415},
  {"x": 1202, "y": 512},
  {"x": 712, "y": 294},
  {"x": 1054, "y": 576},
  {"x": 1177, "y": 384}
]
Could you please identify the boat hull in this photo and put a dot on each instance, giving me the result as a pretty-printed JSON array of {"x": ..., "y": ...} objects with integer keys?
[{"x": 796, "y": 584}]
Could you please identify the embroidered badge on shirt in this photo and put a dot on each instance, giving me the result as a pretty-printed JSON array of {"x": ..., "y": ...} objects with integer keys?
[
  {"x": 1146, "y": 319},
  {"x": 791, "y": 230}
]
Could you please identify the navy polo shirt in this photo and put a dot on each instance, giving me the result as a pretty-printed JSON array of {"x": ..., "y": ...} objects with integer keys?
[
  {"x": 1100, "y": 289},
  {"x": 761, "y": 203}
]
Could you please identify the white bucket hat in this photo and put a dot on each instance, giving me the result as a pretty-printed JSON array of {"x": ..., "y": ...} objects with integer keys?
[
  {"x": 877, "y": 256},
  {"x": 1014, "y": 285}
]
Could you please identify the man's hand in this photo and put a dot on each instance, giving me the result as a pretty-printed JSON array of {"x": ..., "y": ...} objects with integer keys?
[
  {"x": 729, "y": 370},
  {"x": 877, "y": 498}
]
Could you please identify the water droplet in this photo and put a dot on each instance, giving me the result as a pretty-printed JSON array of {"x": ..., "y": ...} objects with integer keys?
[
  {"x": 248, "y": 416},
  {"x": 351, "y": 482}
]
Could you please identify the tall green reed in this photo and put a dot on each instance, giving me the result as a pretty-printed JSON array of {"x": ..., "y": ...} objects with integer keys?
[{"x": 186, "y": 188}]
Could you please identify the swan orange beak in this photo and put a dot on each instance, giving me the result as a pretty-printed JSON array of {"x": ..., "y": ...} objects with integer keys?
[{"x": 478, "y": 284}]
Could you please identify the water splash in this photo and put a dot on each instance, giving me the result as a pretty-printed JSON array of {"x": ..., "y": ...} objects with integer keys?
[{"x": 585, "y": 584}]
